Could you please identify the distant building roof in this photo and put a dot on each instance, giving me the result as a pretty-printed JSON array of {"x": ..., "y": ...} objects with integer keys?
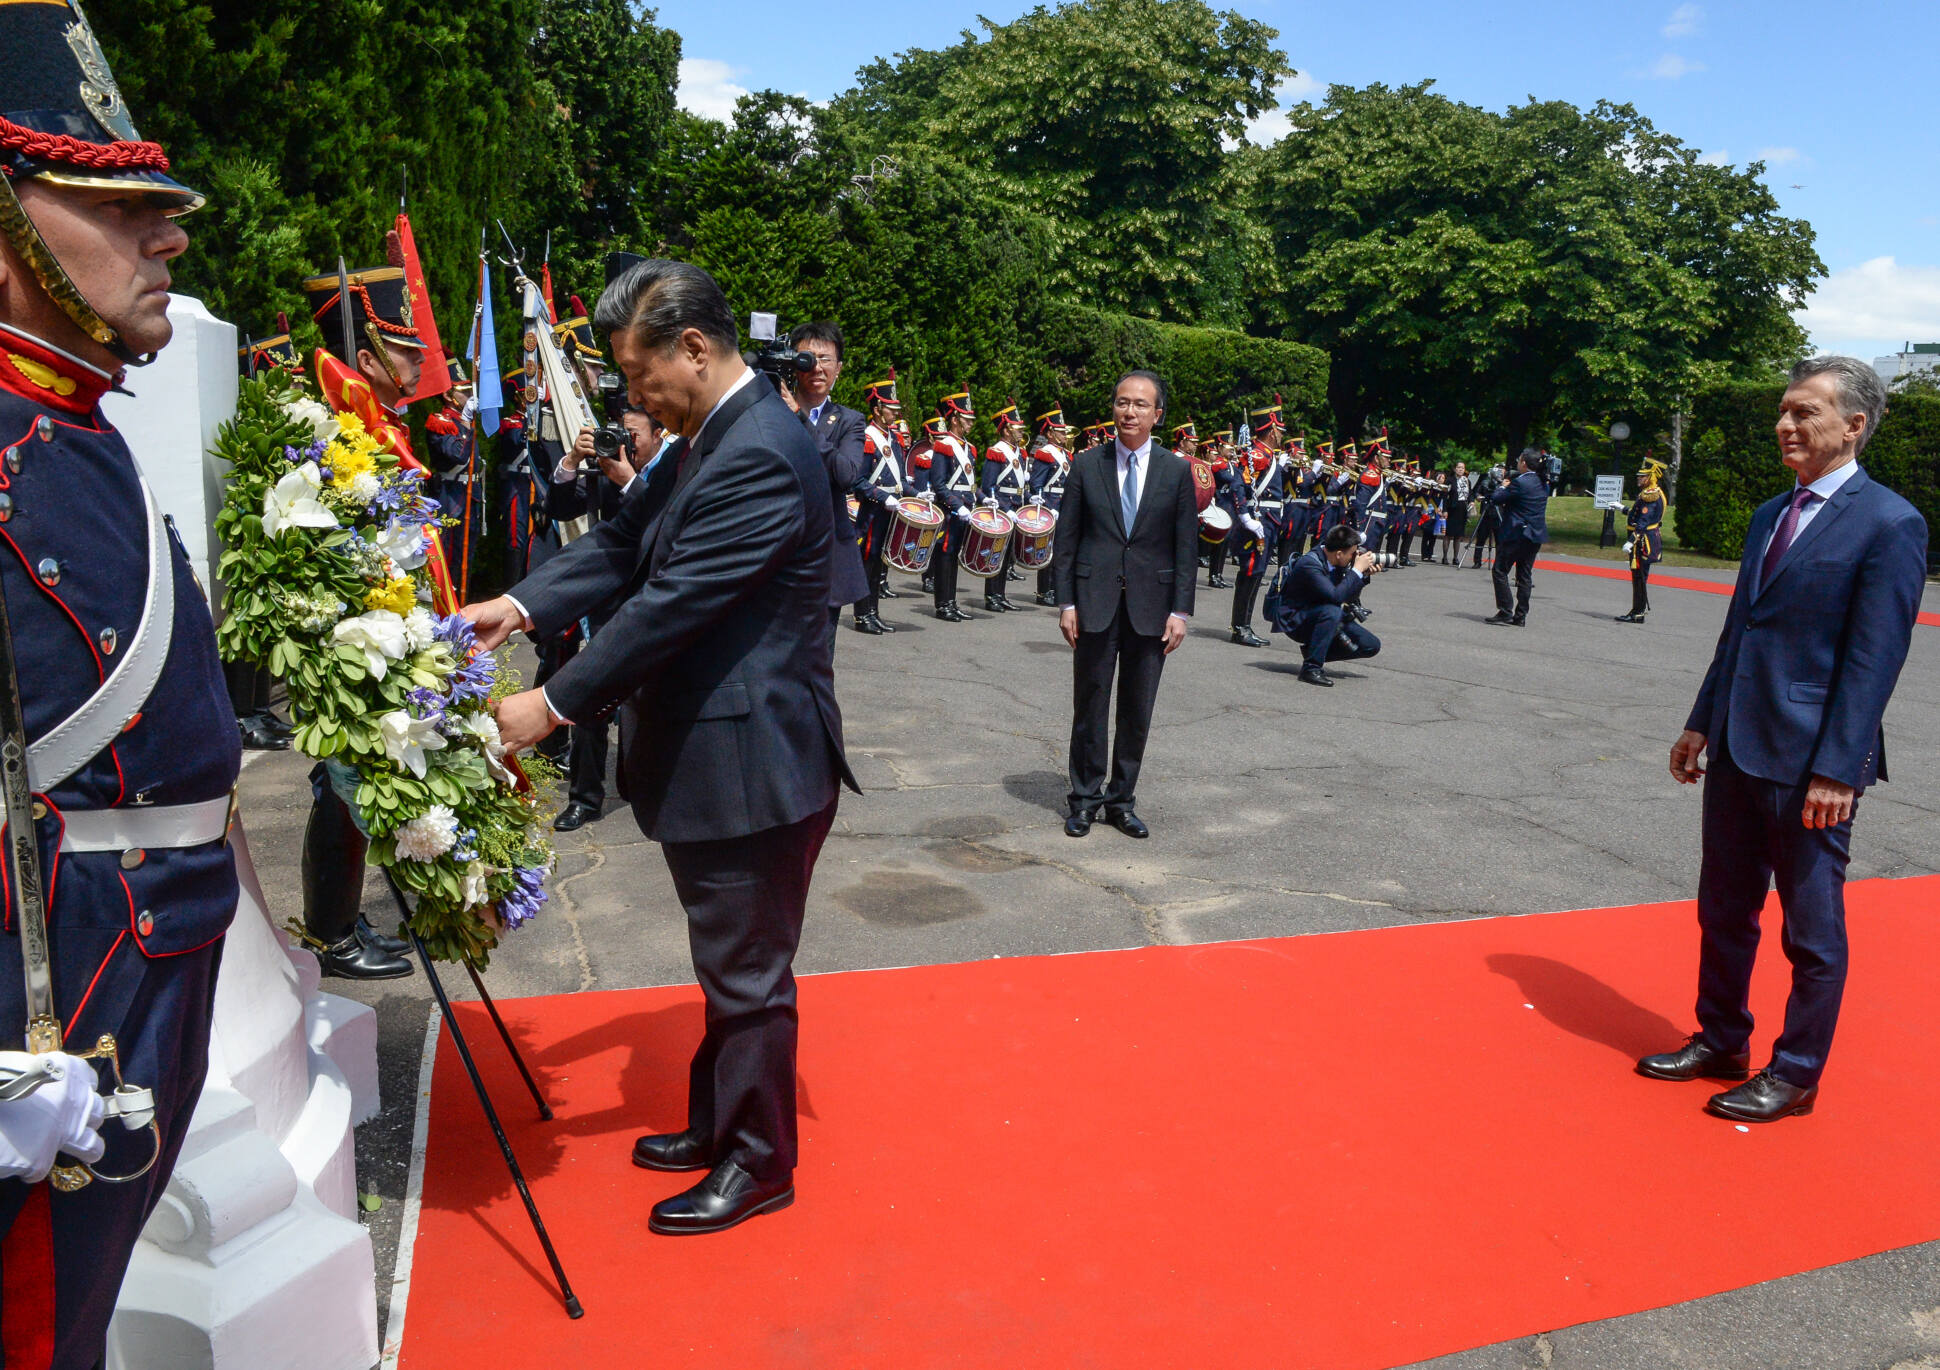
[{"x": 1915, "y": 357}]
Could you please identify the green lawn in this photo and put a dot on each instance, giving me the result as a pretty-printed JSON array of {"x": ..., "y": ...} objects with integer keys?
[{"x": 1575, "y": 522}]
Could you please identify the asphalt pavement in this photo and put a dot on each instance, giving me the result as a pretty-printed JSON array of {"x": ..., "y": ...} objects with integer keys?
[{"x": 1468, "y": 770}]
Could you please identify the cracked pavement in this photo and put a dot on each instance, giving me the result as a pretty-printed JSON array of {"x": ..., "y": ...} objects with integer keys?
[{"x": 1467, "y": 771}]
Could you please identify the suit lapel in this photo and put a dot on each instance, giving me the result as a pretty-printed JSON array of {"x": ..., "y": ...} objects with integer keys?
[
  {"x": 1837, "y": 505},
  {"x": 695, "y": 457},
  {"x": 1108, "y": 471}
]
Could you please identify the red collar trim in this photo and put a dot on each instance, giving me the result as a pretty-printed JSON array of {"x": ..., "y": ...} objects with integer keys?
[{"x": 46, "y": 375}]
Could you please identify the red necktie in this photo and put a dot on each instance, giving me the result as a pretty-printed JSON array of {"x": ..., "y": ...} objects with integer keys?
[{"x": 1788, "y": 528}]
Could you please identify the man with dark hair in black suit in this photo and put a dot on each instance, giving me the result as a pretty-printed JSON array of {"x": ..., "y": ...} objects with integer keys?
[
  {"x": 1314, "y": 598},
  {"x": 717, "y": 656},
  {"x": 1125, "y": 558},
  {"x": 1523, "y": 505},
  {"x": 838, "y": 432}
]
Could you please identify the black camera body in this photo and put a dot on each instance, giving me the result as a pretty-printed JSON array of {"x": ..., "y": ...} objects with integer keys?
[
  {"x": 781, "y": 363},
  {"x": 612, "y": 437}
]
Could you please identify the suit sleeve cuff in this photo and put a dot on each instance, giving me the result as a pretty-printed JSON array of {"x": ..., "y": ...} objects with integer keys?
[
  {"x": 524, "y": 613},
  {"x": 557, "y": 717}
]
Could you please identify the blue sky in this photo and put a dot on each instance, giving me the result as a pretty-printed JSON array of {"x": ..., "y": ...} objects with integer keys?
[{"x": 1837, "y": 98}]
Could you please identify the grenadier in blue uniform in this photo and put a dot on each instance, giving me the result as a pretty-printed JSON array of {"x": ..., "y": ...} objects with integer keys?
[
  {"x": 131, "y": 799},
  {"x": 953, "y": 484},
  {"x": 458, "y": 474},
  {"x": 1006, "y": 485},
  {"x": 883, "y": 485},
  {"x": 1219, "y": 458},
  {"x": 1050, "y": 468},
  {"x": 1646, "y": 537},
  {"x": 1257, "y": 530}
]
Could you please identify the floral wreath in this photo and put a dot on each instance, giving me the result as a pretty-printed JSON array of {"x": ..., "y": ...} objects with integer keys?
[{"x": 325, "y": 538}]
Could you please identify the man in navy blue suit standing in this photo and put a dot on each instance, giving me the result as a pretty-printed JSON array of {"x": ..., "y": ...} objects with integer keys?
[{"x": 1813, "y": 642}]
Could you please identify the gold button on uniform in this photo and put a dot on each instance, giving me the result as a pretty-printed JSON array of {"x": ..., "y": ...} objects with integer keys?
[
  {"x": 44, "y": 426},
  {"x": 145, "y": 924},
  {"x": 132, "y": 858}
]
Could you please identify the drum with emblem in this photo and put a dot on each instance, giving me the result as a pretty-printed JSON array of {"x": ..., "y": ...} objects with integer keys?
[
  {"x": 1030, "y": 541},
  {"x": 982, "y": 552},
  {"x": 914, "y": 526},
  {"x": 1215, "y": 524}
]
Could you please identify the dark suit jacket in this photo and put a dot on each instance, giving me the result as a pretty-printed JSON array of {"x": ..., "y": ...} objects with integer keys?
[
  {"x": 1312, "y": 582},
  {"x": 719, "y": 647},
  {"x": 839, "y": 439},
  {"x": 1807, "y": 661},
  {"x": 1095, "y": 562},
  {"x": 1524, "y": 508}
]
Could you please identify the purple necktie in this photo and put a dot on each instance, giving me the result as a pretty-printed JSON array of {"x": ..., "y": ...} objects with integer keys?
[{"x": 1788, "y": 528}]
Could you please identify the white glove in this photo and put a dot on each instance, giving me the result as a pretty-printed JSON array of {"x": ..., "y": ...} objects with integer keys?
[
  {"x": 963, "y": 514},
  {"x": 892, "y": 504},
  {"x": 63, "y": 1114},
  {"x": 465, "y": 414},
  {"x": 1629, "y": 547},
  {"x": 1253, "y": 525}
]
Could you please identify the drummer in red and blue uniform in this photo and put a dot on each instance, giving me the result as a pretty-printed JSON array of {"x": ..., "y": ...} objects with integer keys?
[
  {"x": 132, "y": 800},
  {"x": 953, "y": 485},
  {"x": 1005, "y": 485},
  {"x": 1229, "y": 493},
  {"x": 1257, "y": 530},
  {"x": 883, "y": 484},
  {"x": 1050, "y": 468}
]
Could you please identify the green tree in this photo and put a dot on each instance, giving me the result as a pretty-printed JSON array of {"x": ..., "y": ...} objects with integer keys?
[{"x": 1481, "y": 275}]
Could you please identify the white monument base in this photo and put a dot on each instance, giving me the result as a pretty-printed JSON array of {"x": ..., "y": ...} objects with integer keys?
[{"x": 255, "y": 1258}]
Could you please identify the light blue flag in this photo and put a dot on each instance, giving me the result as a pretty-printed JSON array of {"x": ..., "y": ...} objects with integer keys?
[{"x": 483, "y": 349}]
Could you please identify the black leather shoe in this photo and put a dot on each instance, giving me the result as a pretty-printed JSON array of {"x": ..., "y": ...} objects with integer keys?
[
  {"x": 275, "y": 724},
  {"x": 992, "y": 604},
  {"x": 354, "y": 959},
  {"x": 1696, "y": 1059},
  {"x": 397, "y": 946},
  {"x": 1315, "y": 675},
  {"x": 1219, "y": 583},
  {"x": 1764, "y": 1098},
  {"x": 1630, "y": 618},
  {"x": 672, "y": 1151},
  {"x": 1048, "y": 600},
  {"x": 1077, "y": 823},
  {"x": 1004, "y": 603},
  {"x": 1498, "y": 619},
  {"x": 949, "y": 613},
  {"x": 1127, "y": 822},
  {"x": 574, "y": 817},
  {"x": 1013, "y": 574},
  {"x": 872, "y": 625},
  {"x": 884, "y": 592},
  {"x": 1519, "y": 620},
  {"x": 1244, "y": 636},
  {"x": 259, "y": 736},
  {"x": 929, "y": 585},
  {"x": 727, "y": 1196}
]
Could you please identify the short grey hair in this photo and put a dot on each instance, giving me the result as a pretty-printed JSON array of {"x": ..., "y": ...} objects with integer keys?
[
  {"x": 1860, "y": 389},
  {"x": 659, "y": 299}
]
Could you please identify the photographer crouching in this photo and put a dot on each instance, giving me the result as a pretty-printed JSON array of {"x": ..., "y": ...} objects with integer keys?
[{"x": 1316, "y": 603}]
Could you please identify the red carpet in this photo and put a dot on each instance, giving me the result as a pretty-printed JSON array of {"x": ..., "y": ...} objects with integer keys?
[
  {"x": 1659, "y": 582},
  {"x": 1356, "y": 1150}
]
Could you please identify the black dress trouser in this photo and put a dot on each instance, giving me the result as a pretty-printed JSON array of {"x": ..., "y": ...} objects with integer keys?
[
  {"x": 1137, "y": 661},
  {"x": 1519, "y": 556},
  {"x": 744, "y": 898}
]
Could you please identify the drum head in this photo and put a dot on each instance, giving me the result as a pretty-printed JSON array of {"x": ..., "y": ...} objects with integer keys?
[
  {"x": 1214, "y": 519},
  {"x": 1035, "y": 520},
  {"x": 995, "y": 522},
  {"x": 920, "y": 514}
]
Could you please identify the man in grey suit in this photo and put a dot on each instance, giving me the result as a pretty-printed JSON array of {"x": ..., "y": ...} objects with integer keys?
[
  {"x": 717, "y": 656},
  {"x": 1125, "y": 555}
]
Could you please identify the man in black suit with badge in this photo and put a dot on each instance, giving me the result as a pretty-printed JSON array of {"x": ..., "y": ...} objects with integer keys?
[
  {"x": 717, "y": 656},
  {"x": 1125, "y": 556},
  {"x": 838, "y": 432}
]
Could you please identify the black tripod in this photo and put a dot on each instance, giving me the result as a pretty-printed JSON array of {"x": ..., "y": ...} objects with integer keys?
[{"x": 571, "y": 1299}]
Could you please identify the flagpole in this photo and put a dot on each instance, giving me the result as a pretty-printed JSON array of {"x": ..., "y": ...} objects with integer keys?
[{"x": 471, "y": 457}]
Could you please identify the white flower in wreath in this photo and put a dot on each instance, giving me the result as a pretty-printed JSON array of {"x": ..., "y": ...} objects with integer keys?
[
  {"x": 475, "y": 891},
  {"x": 407, "y": 739},
  {"x": 364, "y": 487},
  {"x": 404, "y": 544},
  {"x": 322, "y": 422},
  {"x": 428, "y": 836},
  {"x": 483, "y": 728},
  {"x": 293, "y": 502},
  {"x": 379, "y": 635},
  {"x": 419, "y": 629}
]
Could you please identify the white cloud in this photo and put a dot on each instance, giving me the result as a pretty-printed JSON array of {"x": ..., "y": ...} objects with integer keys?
[
  {"x": 1871, "y": 309},
  {"x": 707, "y": 88},
  {"x": 1683, "y": 21},
  {"x": 1671, "y": 66},
  {"x": 1717, "y": 157},
  {"x": 1777, "y": 156},
  {"x": 1274, "y": 124}
]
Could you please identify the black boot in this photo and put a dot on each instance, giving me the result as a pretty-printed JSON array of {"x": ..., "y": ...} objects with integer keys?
[
  {"x": 993, "y": 604},
  {"x": 884, "y": 592},
  {"x": 333, "y": 896},
  {"x": 258, "y": 736},
  {"x": 355, "y": 959}
]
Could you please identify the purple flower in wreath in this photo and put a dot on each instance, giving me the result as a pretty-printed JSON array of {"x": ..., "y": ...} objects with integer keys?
[
  {"x": 528, "y": 892},
  {"x": 427, "y": 705}
]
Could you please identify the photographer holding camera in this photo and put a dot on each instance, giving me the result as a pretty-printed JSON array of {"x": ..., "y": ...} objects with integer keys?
[{"x": 1315, "y": 599}]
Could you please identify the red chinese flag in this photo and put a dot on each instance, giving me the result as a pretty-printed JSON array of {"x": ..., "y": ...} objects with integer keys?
[{"x": 434, "y": 378}]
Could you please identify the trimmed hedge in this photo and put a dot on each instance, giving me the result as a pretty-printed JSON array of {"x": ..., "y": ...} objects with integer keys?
[
  {"x": 1213, "y": 375},
  {"x": 1732, "y": 466}
]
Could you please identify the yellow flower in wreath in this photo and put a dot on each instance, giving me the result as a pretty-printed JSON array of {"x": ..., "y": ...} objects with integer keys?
[{"x": 399, "y": 596}]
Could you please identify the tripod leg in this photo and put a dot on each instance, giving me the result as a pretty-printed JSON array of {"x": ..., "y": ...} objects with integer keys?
[
  {"x": 573, "y": 1308},
  {"x": 545, "y": 1109}
]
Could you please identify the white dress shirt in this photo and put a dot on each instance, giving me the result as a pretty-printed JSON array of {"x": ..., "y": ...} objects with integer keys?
[{"x": 1825, "y": 487}]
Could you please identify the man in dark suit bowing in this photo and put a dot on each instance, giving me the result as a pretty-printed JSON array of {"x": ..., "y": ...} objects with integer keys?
[
  {"x": 1818, "y": 628},
  {"x": 717, "y": 656},
  {"x": 1125, "y": 555},
  {"x": 838, "y": 432}
]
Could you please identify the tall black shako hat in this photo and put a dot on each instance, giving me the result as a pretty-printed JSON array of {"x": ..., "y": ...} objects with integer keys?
[
  {"x": 574, "y": 334},
  {"x": 63, "y": 121},
  {"x": 379, "y": 301},
  {"x": 261, "y": 354}
]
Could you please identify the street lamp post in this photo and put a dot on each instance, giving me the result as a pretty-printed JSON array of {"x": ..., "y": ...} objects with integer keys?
[{"x": 1608, "y": 537}]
